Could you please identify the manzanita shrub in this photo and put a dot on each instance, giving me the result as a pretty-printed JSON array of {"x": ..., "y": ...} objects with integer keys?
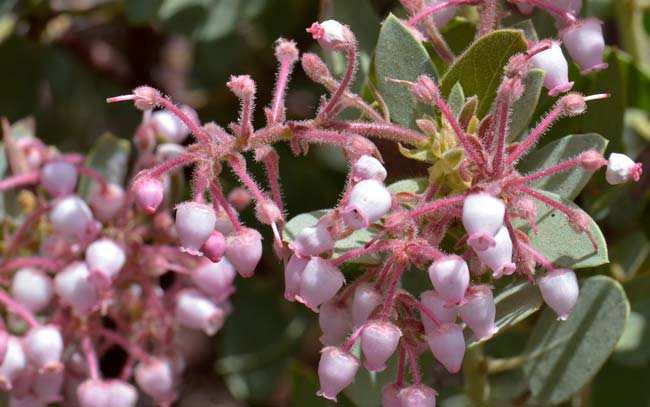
[{"x": 81, "y": 272}]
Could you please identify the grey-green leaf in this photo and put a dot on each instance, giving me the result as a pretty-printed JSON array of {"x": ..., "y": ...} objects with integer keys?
[
  {"x": 110, "y": 156},
  {"x": 400, "y": 55},
  {"x": 456, "y": 99},
  {"x": 567, "y": 184},
  {"x": 569, "y": 353},
  {"x": 480, "y": 68},
  {"x": 524, "y": 108}
]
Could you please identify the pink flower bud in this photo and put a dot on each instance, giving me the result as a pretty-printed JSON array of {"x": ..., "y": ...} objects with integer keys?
[
  {"x": 215, "y": 247},
  {"x": 425, "y": 90},
  {"x": 368, "y": 167},
  {"x": 194, "y": 224},
  {"x": 286, "y": 49},
  {"x": 293, "y": 276},
  {"x": 47, "y": 385},
  {"x": 366, "y": 299},
  {"x": 585, "y": 43},
  {"x": 560, "y": 290},
  {"x": 71, "y": 216},
  {"x": 32, "y": 289},
  {"x": 358, "y": 146},
  {"x": 169, "y": 127},
  {"x": 450, "y": 277},
  {"x": 418, "y": 395},
  {"x": 552, "y": 61},
  {"x": 267, "y": 212},
  {"x": 447, "y": 344},
  {"x": 314, "y": 67},
  {"x": 379, "y": 341},
  {"x": 59, "y": 178},
  {"x": 44, "y": 346},
  {"x": 312, "y": 241},
  {"x": 332, "y": 35},
  {"x": 390, "y": 395},
  {"x": 335, "y": 323},
  {"x": 148, "y": 193},
  {"x": 336, "y": 371},
  {"x": 72, "y": 286},
  {"x": 196, "y": 311},
  {"x": 479, "y": 311},
  {"x": 320, "y": 282},
  {"x": 104, "y": 259},
  {"x": 592, "y": 160},
  {"x": 244, "y": 250},
  {"x": 106, "y": 205},
  {"x": 156, "y": 378},
  {"x": 482, "y": 218},
  {"x": 439, "y": 307},
  {"x": 122, "y": 394},
  {"x": 239, "y": 198},
  {"x": 499, "y": 257},
  {"x": 146, "y": 97},
  {"x": 94, "y": 393},
  {"x": 369, "y": 200},
  {"x": 13, "y": 364},
  {"x": 621, "y": 168},
  {"x": 243, "y": 86},
  {"x": 215, "y": 279}
]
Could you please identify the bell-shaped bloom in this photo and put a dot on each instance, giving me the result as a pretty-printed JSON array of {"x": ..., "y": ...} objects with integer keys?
[
  {"x": 390, "y": 395},
  {"x": 32, "y": 288},
  {"x": 196, "y": 311},
  {"x": 148, "y": 193},
  {"x": 379, "y": 341},
  {"x": 366, "y": 299},
  {"x": 479, "y": 312},
  {"x": 585, "y": 44},
  {"x": 72, "y": 286},
  {"x": 215, "y": 279},
  {"x": 336, "y": 371},
  {"x": 13, "y": 364},
  {"x": 553, "y": 62},
  {"x": 332, "y": 35},
  {"x": 439, "y": 307},
  {"x": 560, "y": 290},
  {"x": 418, "y": 395},
  {"x": 106, "y": 393},
  {"x": 335, "y": 323},
  {"x": 244, "y": 250},
  {"x": 106, "y": 204},
  {"x": 482, "y": 218},
  {"x": 215, "y": 247},
  {"x": 293, "y": 276},
  {"x": 71, "y": 216},
  {"x": 44, "y": 347},
  {"x": 169, "y": 127},
  {"x": 499, "y": 257},
  {"x": 157, "y": 379},
  {"x": 194, "y": 224},
  {"x": 59, "y": 178},
  {"x": 447, "y": 344},
  {"x": 369, "y": 200},
  {"x": 47, "y": 385},
  {"x": 450, "y": 277},
  {"x": 312, "y": 241},
  {"x": 104, "y": 259},
  {"x": 320, "y": 282},
  {"x": 621, "y": 169},
  {"x": 368, "y": 167}
]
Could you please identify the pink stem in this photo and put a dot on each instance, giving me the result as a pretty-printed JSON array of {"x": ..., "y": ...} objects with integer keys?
[
  {"x": 95, "y": 175},
  {"x": 197, "y": 131},
  {"x": 353, "y": 338},
  {"x": 40, "y": 262},
  {"x": 498, "y": 161},
  {"x": 436, "y": 205},
  {"x": 383, "y": 130},
  {"x": 417, "y": 379},
  {"x": 548, "y": 201},
  {"x": 125, "y": 344},
  {"x": 283, "y": 78},
  {"x": 563, "y": 166},
  {"x": 171, "y": 164},
  {"x": 440, "y": 6},
  {"x": 201, "y": 184},
  {"x": 215, "y": 189},
  {"x": 322, "y": 136},
  {"x": 121, "y": 98},
  {"x": 390, "y": 297},
  {"x": 246, "y": 120},
  {"x": 383, "y": 274},
  {"x": 360, "y": 252},
  {"x": 28, "y": 178},
  {"x": 268, "y": 135},
  {"x": 553, "y": 9},
  {"x": 423, "y": 310},
  {"x": 91, "y": 357},
  {"x": 538, "y": 257},
  {"x": 352, "y": 61},
  {"x": 546, "y": 122},
  {"x": 271, "y": 162},
  {"x": 18, "y": 309},
  {"x": 240, "y": 171}
]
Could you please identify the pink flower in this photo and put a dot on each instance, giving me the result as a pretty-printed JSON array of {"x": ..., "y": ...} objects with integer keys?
[
  {"x": 560, "y": 290},
  {"x": 336, "y": 371}
]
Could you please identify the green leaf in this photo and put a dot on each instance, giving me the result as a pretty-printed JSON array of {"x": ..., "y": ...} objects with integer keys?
[
  {"x": 110, "y": 156},
  {"x": 559, "y": 243},
  {"x": 456, "y": 99},
  {"x": 480, "y": 68},
  {"x": 569, "y": 353},
  {"x": 410, "y": 186},
  {"x": 566, "y": 184},
  {"x": 304, "y": 385},
  {"x": 633, "y": 349},
  {"x": 399, "y": 55},
  {"x": 524, "y": 108},
  {"x": 528, "y": 29}
]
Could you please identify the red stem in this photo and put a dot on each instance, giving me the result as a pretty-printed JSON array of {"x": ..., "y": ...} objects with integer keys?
[
  {"x": 546, "y": 122},
  {"x": 198, "y": 132},
  {"x": 563, "y": 166},
  {"x": 215, "y": 189},
  {"x": 91, "y": 357},
  {"x": 383, "y": 130},
  {"x": 95, "y": 175},
  {"x": 28, "y": 178},
  {"x": 436, "y": 205},
  {"x": 240, "y": 171},
  {"x": 390, "y": 298}
]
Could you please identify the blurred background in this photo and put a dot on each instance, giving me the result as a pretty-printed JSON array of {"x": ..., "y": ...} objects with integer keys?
[{"x": 60, "y": 60}]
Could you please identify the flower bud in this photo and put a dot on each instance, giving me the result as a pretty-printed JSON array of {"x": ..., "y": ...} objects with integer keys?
[
  {"x": 244, "y": 250},
  {"x": 194, "y": 224},
  {"x": 479, "y": 311},
  {"x": 32, "y": 289},
  {"x": 450, "y": 277},
  {"x": 369, "y": 200},
  {"x": 499, "y": 257},
  {"x": 366, "y": 299},
  {"x": 482, "y": 218},
  {"x": 552, "y": 61},
  {"x": 170, "y": 128},
  {"x": 368, "y": 167},
  {"x": 146, "y": 97},
  {"x": 418, "y": 395},
  {"x": 148, "y": 193},
  {"x": 243, "y": 86},
  {"x": 47, "y": 385},
  {"x": 379, "y": 341},
  {"x": 44, "y": 346},
  {"x": 72, "y": 286},
  {"x": 560, "y": 290},
  {"x": 106, "y": 205},
  {"x": 439, "y": 307},
  {"x": 447, "y": 344},
  {"x": 215, "y": 279},
  {"x": 104, "y": 259},
  {"x": 390, "y": 395},
  {"x": 585, "y": 43},
  {"x": 312, "y": 241},
  {"x": 156, "y": 378},
  {"x": 335, "y": 323},
  {"x": 320, "y": 282},
  {"x": 336, "y": 371},
  {"x": 332, "y": 35},
  {"x": 59, "y": 178},
  {"x": 621, "y": 168},
  {"x": 93, "y": 393},
  {"x": 315, "y": 68},
  {"x": 357, "y": 146},
  {"x": 286, "y": 49},
  {"x": 122, "y": 394},
  {"x": 215, "y": 247},
  {"x": 239, "y": 198},
  {"x": 592, "y": 160},
  {"x": 13, "y": 364},
  {"x": 196, "y": 311},
  {"x": 267, "y": 212},
  {"x": 71, "y": 216},
  {"x": 425, "y": 90}
]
